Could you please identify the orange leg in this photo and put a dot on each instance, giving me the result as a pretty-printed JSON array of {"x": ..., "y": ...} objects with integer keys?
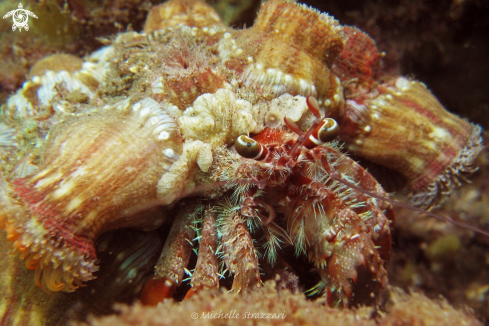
[{"x": 170, "y": 268}]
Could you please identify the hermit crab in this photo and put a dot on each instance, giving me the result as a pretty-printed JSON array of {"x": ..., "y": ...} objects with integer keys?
[{"x": 195, "y": 123}]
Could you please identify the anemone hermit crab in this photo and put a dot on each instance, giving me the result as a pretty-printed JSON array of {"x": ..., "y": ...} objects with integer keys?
[{"x": 248, "y": 123}]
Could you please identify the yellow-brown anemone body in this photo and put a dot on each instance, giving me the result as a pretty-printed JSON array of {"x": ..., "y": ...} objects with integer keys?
[
  {"x": 405, "y": 128},
  {"x": 94, "y": 168},
  {"x": 288, "y": 50},
  {"x": 190, "y": 13}
]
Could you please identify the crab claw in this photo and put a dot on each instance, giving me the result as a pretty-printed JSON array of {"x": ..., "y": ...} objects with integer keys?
[{"x": 155, "y": 290}]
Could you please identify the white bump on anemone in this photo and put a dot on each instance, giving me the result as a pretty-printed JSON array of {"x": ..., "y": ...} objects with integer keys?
[
  {"x": 7, "y": 138},
  {"x": 169, "y": 152}
]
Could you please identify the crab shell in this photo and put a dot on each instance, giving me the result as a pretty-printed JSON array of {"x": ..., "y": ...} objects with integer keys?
[{"x": 94, "y": 167}]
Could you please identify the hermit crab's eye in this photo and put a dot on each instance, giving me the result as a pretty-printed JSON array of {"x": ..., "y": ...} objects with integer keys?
[
  {"x": 328, "y": 130},
  {"x": 250, "y": 148}
]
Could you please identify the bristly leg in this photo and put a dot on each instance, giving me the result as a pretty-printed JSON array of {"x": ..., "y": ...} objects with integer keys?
[
  {"x": 339, "y": 242},
  {"x": 413, "y": 208},
  {"x": 171, "y": 266},
  {"x": 260, "y": 215},
  {"x": 206, "y": 273},
  {"x": 354, "y": 275},
  {"x": 238, "y": 252}
]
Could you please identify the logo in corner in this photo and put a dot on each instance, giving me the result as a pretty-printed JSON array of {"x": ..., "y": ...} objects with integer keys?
[{"x": 20, "y": 17}]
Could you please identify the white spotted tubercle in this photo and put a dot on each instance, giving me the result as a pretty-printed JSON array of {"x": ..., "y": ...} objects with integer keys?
[{"x": 95, "y": 167}]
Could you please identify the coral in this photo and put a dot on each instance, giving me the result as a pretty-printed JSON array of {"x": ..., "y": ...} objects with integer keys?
[
  {"x": 6, "y": 136},
  {"x": 52, "y": 77},
  {"x": 359, "y": 63},
  {"x": 79, "y": 27},
  {"x": 63, "y": 27},
  {"x": 313, "y": 39},
  {"x": 271, "y": 307}
]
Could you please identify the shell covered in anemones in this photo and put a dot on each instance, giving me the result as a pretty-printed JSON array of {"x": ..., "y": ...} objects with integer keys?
[{"x": 98, "y": 144}]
